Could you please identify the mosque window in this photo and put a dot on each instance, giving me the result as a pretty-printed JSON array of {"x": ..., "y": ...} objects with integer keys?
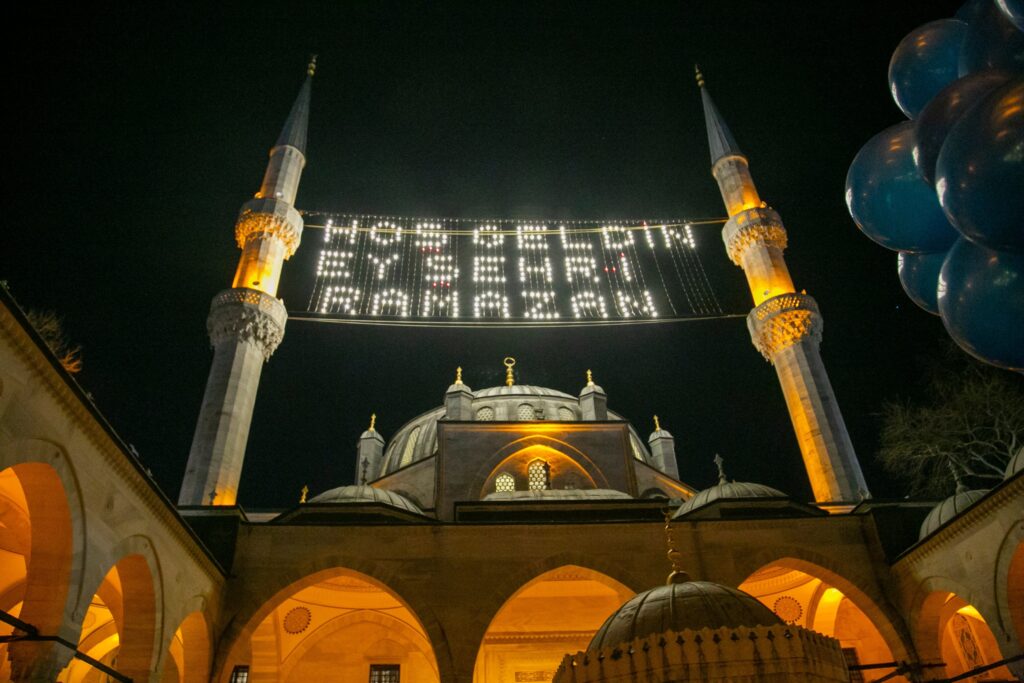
[
  {"x": 384, "y": 673},
  {"x": 240, "y": 674},
  {"x": 504, "y": 483},
  {"x": 540, "y": 475},
  {"x": 566, "y": 414},
  {"x": 410, "y": 447},
  {"x": 526, "y": 412},
  {"x": 637, "y": 453},
  {"x": 485, "y": 414}
]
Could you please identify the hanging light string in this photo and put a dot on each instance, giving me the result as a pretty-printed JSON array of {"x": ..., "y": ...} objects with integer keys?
[
  {"x": 366, "y": 223},
  {"x": 303, "y": 316}
]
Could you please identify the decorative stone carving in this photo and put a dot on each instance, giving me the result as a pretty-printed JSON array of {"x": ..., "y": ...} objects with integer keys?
[
  {"x": 266, "y": 225},
  {"x": 753, "y": 226},
  {"x": 783, "y": 321},
  {"x": 247, "y": 315}
]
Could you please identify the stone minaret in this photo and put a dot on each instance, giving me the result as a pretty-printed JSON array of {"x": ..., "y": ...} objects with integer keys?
[
  {"x": 785, "y": 326},
  {"x": 246, "y": 323}
]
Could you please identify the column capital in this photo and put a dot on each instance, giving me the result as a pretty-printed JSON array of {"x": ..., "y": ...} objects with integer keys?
[
  {"x": 269, "y": 217},
  {"x": 752, "y": 226},
  {"x": 247, "y": 315},
  {"x": 783, "y": 321}
]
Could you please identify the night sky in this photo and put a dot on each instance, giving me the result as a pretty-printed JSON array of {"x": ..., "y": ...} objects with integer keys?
[{"x": 138, "y": 133}]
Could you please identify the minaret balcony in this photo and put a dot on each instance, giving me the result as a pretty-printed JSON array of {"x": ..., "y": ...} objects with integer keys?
[
  {"x": 782, "y": 321},
  {"x": 761, "y": 225},
  {"x": 269, "y": 217},
  {"x": 247, "y": 315}
]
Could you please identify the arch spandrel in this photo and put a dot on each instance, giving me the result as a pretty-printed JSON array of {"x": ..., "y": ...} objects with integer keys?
[
  {"x": 254, "y": 600},
  {"x": 490, "y": 466}
]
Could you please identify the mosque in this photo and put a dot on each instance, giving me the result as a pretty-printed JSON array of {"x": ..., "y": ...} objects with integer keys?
[{"x": 511, "y": 533}]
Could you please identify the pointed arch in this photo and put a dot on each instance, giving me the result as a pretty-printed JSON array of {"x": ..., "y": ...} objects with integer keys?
[
  {"x": 861, "y": 591},
  {"x": 190, "y": 649},
  {"x": 555, "y": 611},
  {"x": 262, "y": 609}
]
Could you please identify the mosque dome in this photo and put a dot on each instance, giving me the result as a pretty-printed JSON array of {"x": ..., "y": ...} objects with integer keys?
[
  {"x": 727, "y": 490},
  {"x": 559, "y": 494},
  {"x": 690, "y": 605},
  {"x": 950, "y": 508},
  {"x": 361, "y": 493},
  {"x": 1015, "y": 465},
  {"x": 417, "y": 439}
]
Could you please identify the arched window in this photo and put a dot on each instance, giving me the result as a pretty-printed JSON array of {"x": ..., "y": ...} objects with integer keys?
[
  {"x": 637, "y": 450},
  {"x": 526, "y": 412},
  {"x": 540, "y": 475},
  {"x": 410, "y": 447},
  {"x": 485, "y": 414},
  {"x": 504, "y": 483},
  {"x": 565, "y": 414}
]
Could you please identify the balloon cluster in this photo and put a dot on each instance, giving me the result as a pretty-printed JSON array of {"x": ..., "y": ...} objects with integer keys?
[{"x": 946, "y": 188}]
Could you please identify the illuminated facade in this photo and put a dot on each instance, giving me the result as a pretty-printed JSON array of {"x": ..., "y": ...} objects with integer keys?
[{"x": 487, "y": 539}]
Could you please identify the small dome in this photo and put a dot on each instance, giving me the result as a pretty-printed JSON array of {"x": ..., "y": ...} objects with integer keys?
[
  {"x": 729, "y": 490},
  {"x": 1015, "y": 465},
  {"x": 948, "y": 509},
  {"x": 361, "y": 493},
  {"x": 560, "y": 494},
  {"x": 692, "y": 605}
]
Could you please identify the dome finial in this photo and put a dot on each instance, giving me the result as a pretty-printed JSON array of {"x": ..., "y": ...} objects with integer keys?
[
  {"x": 719, "y": 461},
  {"x": 590, "y": 378},
  {"x": 700, "y": 76},
  {"x": 509, "y": 364},
  {"x": 678, "y": 575},
  {"x": 311, "y": 67},
  {"x": 961, "y": 487},
  {"x": 458, "y": 375},
  {"x": 305, "y": 492},
  {"x": 657, "y": 424},
  {"x": 373, "y": 422}
]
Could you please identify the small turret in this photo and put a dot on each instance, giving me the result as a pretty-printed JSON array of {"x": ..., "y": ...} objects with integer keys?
[
  {"x": 370, "y": 453},
  {"x": 663, "y": 450},
  {"x": 458, "y": 400},
  {"x": 593, "y": 400}
]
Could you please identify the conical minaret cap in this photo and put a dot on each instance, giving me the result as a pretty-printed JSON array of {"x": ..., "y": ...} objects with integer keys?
[
  {"x": 720, "y": 138},
  {"x": 294, "y": 131}
]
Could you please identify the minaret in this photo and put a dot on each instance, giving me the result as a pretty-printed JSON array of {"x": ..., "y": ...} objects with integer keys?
[
  {"x": 246, "y": 323},
  {"x": 785, "y": 326}
]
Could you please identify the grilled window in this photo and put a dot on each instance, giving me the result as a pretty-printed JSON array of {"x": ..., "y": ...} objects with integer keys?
[
  {"x": 504, "y": 483},
  {"x": 540, "y": 475},
  {"x": 485, "y": 414},
  {"x": 526, "y": 412},
  {"x": 384, "y": 673},
  {"x": 240, "y": 674}
]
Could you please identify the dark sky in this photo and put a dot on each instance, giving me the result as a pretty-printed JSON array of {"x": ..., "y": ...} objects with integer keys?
[{"x": 137, "y": 134}]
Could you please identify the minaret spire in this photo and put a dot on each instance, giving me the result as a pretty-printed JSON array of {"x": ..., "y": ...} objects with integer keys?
[
  {"x": 246, "y": 323},
  {"x": 786, "y": 327}
]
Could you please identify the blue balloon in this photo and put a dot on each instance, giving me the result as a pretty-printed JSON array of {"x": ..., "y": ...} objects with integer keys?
[
  {"x": 925, "y": 62},
  {"x": 919, "y": 275},
  {"x": 981, "y": 301},
  {"x": 1014, "y": 11},
  {"x": 945, "y": 109},
  {"x": 991, "y": 40},
  {"x": 889, "y": 201},
  {"x": 979, "y": 176}
]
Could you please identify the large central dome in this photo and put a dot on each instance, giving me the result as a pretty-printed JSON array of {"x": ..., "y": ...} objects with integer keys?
[{"x": 417, "y": 439}]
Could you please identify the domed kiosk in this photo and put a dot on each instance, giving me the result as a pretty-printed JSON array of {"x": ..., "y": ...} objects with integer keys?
[{"x": 701, "y": 631}]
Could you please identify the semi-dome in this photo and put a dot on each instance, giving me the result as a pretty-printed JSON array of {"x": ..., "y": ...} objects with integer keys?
[
  {"x": 691, "y": 605},
  {"x": 559, "y": 494},
  {"x": 950, "y": 508},
  {"x": 727, "y": 490},
  {"x": 417, "y": 439},
  {"x": 361, "y": 493}
]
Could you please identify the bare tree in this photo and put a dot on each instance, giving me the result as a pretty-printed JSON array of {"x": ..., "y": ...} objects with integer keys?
[
  {"x": 972, "y": 419},
  {"x": 50, "y": 327}
]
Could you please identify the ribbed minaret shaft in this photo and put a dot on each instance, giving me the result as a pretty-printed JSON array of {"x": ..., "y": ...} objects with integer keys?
[
  {"x": 246, "y": 323},
  {"x": 785, "y": 326}
]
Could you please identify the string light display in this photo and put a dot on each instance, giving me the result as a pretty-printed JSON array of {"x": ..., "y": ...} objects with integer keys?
[{"x": 376, "y": 267}]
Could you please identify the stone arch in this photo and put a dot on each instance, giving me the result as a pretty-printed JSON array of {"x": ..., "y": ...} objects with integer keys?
[
  {"x": 131, "y": 589},
  {"x": 255, "y": 606},
  {"x": 398, "y": 627},
  {"x": 1009, "y": 585},
  {"x": 54, "y": 560},
  {"x": 190, "y": 648},
  {"x": 556, "y": 611},
  {"x": 937, "y": 600},
  {"x": 861, "y": 590}
]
